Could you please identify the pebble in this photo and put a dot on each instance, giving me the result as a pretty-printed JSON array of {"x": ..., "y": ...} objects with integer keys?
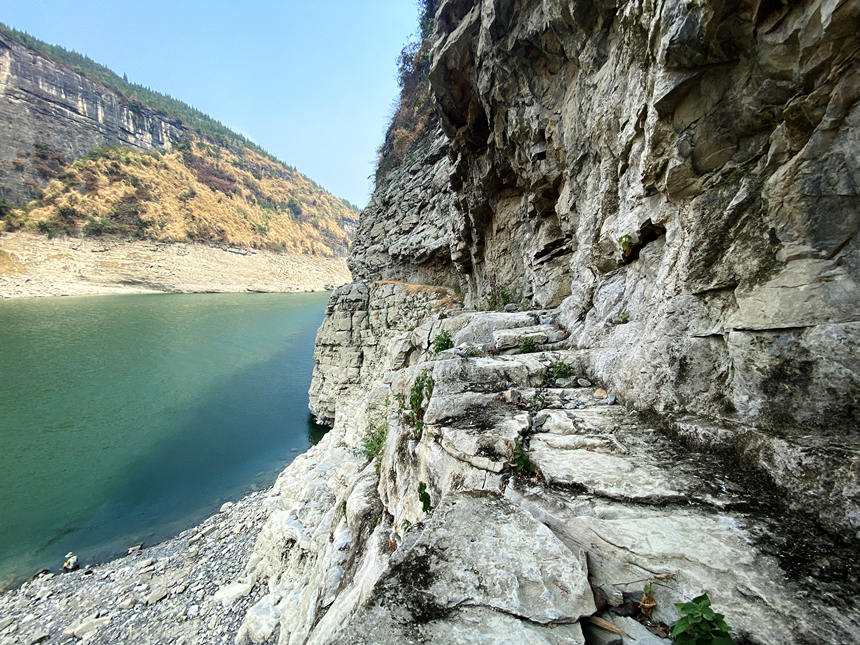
[
  {"x": 39, "y": 636},
  {"x": 155, "y": 595},
  {"x": 128, "y": 602}
]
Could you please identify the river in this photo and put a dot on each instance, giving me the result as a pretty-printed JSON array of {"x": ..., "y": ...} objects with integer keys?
[{"x": 126, "y": 419}]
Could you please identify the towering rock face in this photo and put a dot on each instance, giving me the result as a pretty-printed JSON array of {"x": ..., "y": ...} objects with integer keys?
[
  {"x": 681, "y": 178},
  {"x": 48, "y": 109},
  {"x": 664, "y": 195}
]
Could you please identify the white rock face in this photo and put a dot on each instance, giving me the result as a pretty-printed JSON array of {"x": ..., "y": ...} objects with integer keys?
[
  {"x": 681, "y": 178},
  {"x": 507, "y": 548}
]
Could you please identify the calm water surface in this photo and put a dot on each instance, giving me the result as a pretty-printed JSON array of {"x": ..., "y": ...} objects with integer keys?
[{"x": 126, "y": 419}]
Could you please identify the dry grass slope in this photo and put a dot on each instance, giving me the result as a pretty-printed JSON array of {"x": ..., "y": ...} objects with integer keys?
[{"x": 197, "y": 192}]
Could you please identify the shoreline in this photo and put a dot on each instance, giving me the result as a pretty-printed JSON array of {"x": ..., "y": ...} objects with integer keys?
[
  {"x": 190, "y": 588},
  {"x": 33, "y": 266}
]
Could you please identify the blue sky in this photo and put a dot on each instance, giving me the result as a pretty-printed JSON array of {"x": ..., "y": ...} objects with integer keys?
[{"x": 312, "y": 82}]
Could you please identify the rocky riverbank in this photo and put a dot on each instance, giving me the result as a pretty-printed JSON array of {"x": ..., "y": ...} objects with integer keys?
[
  {"x": 190, "y": 589},
  {"x": 35, "y": 266}
]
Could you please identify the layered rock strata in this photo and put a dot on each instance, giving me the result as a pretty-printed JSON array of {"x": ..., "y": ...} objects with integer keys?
[
  {"x": 672, "y": 185},
  {"x": 506, "y": 548},
  {"x": 681, "y": 178},
  {"x": 48, "y": 108}
]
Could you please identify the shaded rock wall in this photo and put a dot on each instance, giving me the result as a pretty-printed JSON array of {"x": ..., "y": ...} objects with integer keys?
[
  {"x": 681, "y": 178},
  {"x": 48, "y": 104},
  {"x": 404, "y": 231},
  {"x": 650, "y": 157}
]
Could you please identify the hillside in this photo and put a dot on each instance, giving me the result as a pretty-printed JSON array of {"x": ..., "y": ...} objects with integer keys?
[
  {"x": 88, "y": 153},
  {"x": 200, "y": 193}
]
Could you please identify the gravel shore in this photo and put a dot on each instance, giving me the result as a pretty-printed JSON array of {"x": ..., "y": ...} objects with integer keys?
[
  {"x": 189, "y": 589},
  {"x": 36, "y": 266}
]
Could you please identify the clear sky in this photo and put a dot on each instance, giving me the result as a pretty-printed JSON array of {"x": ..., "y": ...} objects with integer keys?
[{"x": 311, "y": 81}]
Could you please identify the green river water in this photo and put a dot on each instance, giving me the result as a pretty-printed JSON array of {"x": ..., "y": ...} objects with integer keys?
[{"x": 126, "y": 419}]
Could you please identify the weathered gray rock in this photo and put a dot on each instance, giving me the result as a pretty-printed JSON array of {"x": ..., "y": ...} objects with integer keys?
[
  {"x": 83, "y": 628},
  {"x": 682, "y": 180},
  {"x": 50, "y": 110},
  {"x": 228, "y": 594},
  {"x": 368, "y": 328}
]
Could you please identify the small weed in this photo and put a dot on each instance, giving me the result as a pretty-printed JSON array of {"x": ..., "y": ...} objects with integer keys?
[
  {"x": 472, "y": 351},
  {"x": 562, "y": 370},
  {"x": 624, "y": 318},
  {"x": 373, "y": 442},
  {"x": 343, "y": 507},
  {"x": 528, "y": 345},
  {"x": 520, "y": 459},
  {"x": 699, "y": 624},
  {"x": 442, "y": 342},
  {"x": 405, "y": 525},
  {"x": 424, "y": 496},
  {"x": 538, "y": 401},
  {"x": 499, "y": 298},
  {"x": 647, "y": 603},
  {"x": 626, "y": 244},
  {"x": 421, "y": 389}
]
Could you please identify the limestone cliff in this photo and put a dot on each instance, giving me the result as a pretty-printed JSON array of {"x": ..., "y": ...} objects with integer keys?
[
  {"x": 681, "y": 179},
  {"x": 658, "y": 199},
  {"x": 48, "y": 104}
]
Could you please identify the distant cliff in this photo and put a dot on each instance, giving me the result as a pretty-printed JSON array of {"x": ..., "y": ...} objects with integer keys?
[
  {"x": 84, "y": 152},
  {"x": 48, "y": 108}
]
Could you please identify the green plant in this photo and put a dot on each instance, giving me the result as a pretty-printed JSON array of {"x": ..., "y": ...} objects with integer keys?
[
  {"x": 46, "y": 228},
  {"x": 647, "y": 603},
  {"x": 405, "y": 525},
  {"x": 373, "y": 441},
  {"x": 528, "y": 345},
  {"x": 421, "y": 389},
  {"x": 561, "y": 370},
  {"x": 624, "y": 317},
  {"x": 343, "y": 507},
  {"x": 699, "y": 624},
  {"x": 499, "y": 298},
  {"x": 442, "y": 342},
  {"x": 472, "y": 351},
  {"x": 538, "y": 401},
  {"x": 625, "y": 242},
  {"x": 520, "y": 458},
  {"x": 294, "y": 206},
  {"x": 424, "y": 496}
]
